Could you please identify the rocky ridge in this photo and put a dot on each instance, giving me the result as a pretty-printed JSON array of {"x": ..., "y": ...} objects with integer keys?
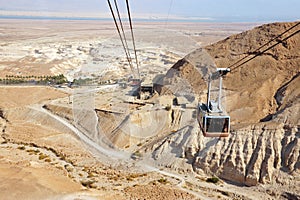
[{"x": 263, "y": 101}]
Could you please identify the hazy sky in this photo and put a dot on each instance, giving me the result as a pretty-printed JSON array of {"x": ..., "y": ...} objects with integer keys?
[{"x": 254, "y": 9}]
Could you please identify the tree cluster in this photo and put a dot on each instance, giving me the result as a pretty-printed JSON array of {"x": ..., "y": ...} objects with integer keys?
[{"x": 34, "y": 80}]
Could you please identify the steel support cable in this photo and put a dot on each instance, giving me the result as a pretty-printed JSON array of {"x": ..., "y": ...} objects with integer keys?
[
  {"x": 133, "y": 42},
  {"x": 264, "y": 45},
  {"x": 117, "y": 26},
  {"x": 260, "y": 53},
  {"x": 124, "y": 36},
  {"x": 169, "y": 11}
]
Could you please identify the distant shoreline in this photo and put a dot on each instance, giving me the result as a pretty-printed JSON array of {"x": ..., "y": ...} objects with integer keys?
[
  {"x": 53, "y": 18},
  {"x": 195, "y": 20}
]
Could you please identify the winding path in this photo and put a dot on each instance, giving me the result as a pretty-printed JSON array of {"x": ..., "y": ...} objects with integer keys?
[{"x": 113, "y": 154}]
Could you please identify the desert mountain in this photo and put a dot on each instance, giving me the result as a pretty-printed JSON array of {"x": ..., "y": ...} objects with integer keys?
[
  {"x": 256, "y": 83},
  {"x": 252, "y": 88},
  {"x": 262, "y": 98}
]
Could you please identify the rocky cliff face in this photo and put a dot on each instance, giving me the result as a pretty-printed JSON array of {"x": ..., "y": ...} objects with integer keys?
[
  {"x": 3, "y": 122},
  {"x": 263, "y": 101},
  {"x": 252, "y": 155},
  {"x": 188, "y": 75},
  {"x": 288, "y": 101},
  {"x": 258, "y": 153}
]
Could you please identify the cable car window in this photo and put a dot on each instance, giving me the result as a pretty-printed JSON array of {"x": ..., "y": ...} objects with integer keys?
[{"x": 217, "y": 125}]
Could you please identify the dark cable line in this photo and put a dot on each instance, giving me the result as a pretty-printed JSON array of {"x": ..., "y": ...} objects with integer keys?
[
  {"x": 117, "y": 26},
  {"x": 260, "y": 53},
  {"x": 169, "y": 11},
  {"x": 133, "y": 42},
  {"x": 263, "y": 46},
  {"x": 124, "y": 36}
]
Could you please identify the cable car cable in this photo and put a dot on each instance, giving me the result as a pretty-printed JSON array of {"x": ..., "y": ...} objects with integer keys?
[
  {"x": 117, "y": 26},
  {"x": 124, "y": 36},
  {"x": 260, "y": 53},
  {"x": 133, "y": 42},
  {"x": 169, "y": 11},
  {"x": 263, "y": 46}
]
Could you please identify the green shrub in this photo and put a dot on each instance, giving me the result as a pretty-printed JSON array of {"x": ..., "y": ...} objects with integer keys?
[
  {"x": 42, "y": 156},
  {"x": 31, "y": 151},
  {"x": 162, "y": 180},
  {"x": 212, "y": 180},
  {"x": 21, "y": 148},
  {"x": 168, "y": 108}
]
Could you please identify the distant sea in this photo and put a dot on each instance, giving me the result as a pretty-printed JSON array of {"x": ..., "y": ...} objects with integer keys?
[
  {"x": 225, "y": 19},
  {"x": 51, "y": 18}
]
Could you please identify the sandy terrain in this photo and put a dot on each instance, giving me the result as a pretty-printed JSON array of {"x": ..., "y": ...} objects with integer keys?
[
  {"x": 80, "y": 49},
  {"x": 44, "y": 158},
  {"x": 100, "y": 142}
]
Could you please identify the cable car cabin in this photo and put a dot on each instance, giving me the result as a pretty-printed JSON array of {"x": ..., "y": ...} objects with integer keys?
[
  {"x": 135, "y": 82},
  {"x": 213, "y": 124}
]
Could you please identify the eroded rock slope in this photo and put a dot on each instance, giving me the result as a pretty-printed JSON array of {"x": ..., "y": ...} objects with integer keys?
[{"x": 262, "y": 97}]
